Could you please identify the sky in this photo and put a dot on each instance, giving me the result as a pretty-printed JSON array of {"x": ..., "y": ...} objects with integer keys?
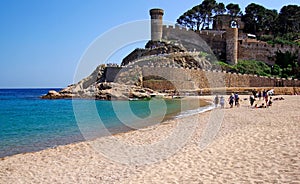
[{"x": 43, "y": 41}]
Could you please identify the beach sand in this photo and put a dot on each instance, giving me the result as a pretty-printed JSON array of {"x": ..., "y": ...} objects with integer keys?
[{"x": 234, "y": 145}]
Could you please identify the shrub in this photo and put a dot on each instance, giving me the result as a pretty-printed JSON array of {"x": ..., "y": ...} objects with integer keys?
[
  {"x": 266, "y": 38},
  {"x": 253, "y": 67}
]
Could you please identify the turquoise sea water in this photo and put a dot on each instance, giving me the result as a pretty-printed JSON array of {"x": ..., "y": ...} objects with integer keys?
[{"x": 28, "y": 123}]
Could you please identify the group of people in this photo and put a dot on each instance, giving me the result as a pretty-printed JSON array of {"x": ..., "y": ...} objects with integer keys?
[
  {"x": 235, "y": 100},
  {"x": 266, "y": 97},
  {"x": 221, "y": 101}
]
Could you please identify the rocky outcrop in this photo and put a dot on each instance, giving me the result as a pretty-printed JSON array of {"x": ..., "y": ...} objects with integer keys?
[
  {"x": 56, "y": 95},
  {"x": 95, "y": 87}
]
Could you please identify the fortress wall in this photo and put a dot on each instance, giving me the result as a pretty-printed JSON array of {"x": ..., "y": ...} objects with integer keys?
[
  {"x": 193, "y": 79},
  {"x": 209, "y": 40},
  {"x": 214, "y": 41},
  {"x": 262, "y": 51}
]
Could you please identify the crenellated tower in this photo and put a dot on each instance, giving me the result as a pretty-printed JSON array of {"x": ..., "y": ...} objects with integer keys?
[{"x": 156, "y": 24}]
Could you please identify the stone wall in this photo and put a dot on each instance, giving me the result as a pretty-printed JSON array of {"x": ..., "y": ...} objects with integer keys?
[
  {"x": 195, "y": 79},
  {"x": 206, "y": 40},
  {"x": 191, "y": 79},
  {"x": 261, "y": 51}
]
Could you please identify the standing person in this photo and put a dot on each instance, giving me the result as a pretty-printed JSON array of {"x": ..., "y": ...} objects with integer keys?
[
  {"x": 270, "y": 102},
  {"x": 236, "y": 100},
  {"x": 259, "y": 95},
  {"x": 264, "y": 94},
  {"x": 216, "y": 101},
  {"x": 252, "y": 99},
  {"x": 266, "y": 98},
  {"x": 222, "y": 102},
  {"x": 231, "y": 100},
  {"x": 254, "y": 93}
]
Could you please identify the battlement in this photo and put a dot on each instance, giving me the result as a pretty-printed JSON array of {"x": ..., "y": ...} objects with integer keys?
[{"x": 207, "y": 33}]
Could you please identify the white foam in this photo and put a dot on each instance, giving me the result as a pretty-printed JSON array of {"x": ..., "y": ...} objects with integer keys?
[{"x": 195, "y": 111}]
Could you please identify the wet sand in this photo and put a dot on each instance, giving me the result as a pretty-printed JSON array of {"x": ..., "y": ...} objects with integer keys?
[{"x": 231, "y": 145}]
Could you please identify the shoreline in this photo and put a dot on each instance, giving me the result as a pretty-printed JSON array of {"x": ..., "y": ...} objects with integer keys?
[{"x": 252, "y": 145}]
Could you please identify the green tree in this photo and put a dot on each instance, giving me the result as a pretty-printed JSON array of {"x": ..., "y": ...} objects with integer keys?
[
  {"x": 254, "y": 18},
  {"x": 269, "y": 21},
  {"x": 200, "y": 16},
  {"x": 219, "y": 9},
  {"x": 233, "y": 10},
  {"x": 191, "y": 19},
  {"x": 208, "y": 6},
  {"x": 288, "y": 62},
  {"x": 276, "y": 70},
  {"x": 289, "y": 20}
]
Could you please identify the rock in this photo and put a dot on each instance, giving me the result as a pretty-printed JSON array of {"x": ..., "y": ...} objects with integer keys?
[
  {"x": 52, "y": 94},
  {"x": 139, "y": 95}
]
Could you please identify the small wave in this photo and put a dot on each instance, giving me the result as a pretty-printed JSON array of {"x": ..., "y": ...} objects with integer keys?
[{"x": 195, "y": 111}]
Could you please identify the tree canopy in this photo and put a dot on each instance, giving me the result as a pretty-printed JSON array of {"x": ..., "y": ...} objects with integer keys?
[
  {"x": 258, "y": 20},
  {"x": 200, "y": 16}
]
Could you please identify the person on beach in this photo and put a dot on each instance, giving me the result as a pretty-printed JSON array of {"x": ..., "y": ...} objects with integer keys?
[
  {"x": 254, "y": 93},
  {"x": 252, "y": 99},
  {"x": 266, "y": 98},
  {"x": 264, "y": 93},
  {"x": 222, "y": 102},
  {"x": 261, "y": 106},
  {"x": 236, "y": 99},
  {"x": 216, "y": 101},
  {"x": 231, "y": 100},
  {"x": 259, "y": 95},
  {"x": 270, "y": 102}
]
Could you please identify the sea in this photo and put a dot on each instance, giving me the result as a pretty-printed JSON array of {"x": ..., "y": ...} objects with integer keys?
[{"x": 29, "y": 123}]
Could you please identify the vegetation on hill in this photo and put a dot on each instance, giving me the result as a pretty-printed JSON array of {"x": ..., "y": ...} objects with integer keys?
[
  {"x": 247, "y": 67},
  {"x": 282, "y": 27},
  {"x": 286, "y": 66}
]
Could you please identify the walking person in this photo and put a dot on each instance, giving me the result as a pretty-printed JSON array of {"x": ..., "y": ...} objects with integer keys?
[
  {"x": 231, "y": 100},
  {"x": 252, "y": 99},
  {"x": 236, "y": 99},
  {"x": 216, "y": 101},
  {"x": 259, "y": 95},
  {"x": 266, "y": 98},
  {"x": 222, "y": 102}
]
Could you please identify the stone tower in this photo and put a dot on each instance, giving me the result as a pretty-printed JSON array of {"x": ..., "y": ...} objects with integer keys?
[
  {"x": 232, "y": 45},
  {"x": 156, "y": 24}
]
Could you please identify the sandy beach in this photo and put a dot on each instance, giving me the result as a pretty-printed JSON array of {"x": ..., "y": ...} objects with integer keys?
[{"x": 231, "y": 145}]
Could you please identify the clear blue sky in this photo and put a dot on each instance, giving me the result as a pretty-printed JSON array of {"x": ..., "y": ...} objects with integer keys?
[{"x": 41, "y": 41}]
